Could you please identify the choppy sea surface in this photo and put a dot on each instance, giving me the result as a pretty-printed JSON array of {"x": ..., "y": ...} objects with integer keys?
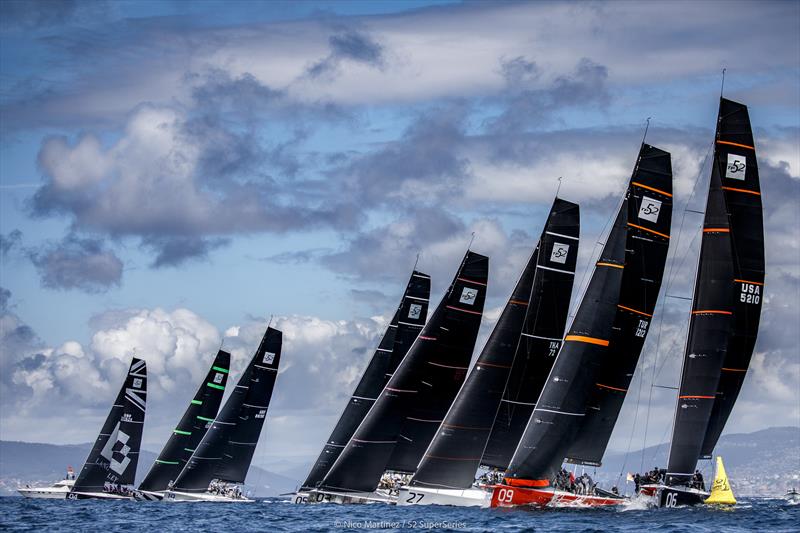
[{"x": 20, "y": 514}]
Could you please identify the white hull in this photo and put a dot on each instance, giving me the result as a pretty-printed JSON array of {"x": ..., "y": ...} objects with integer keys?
[
  {"x": 56, "y": 491},
  {"x": 97, "y": 495},
  {"x": 472, "y": 497},
  {"x": 150, "y": 495},
  {"x": 322, "y": 496},
  {"x": 173, "y": 496}
]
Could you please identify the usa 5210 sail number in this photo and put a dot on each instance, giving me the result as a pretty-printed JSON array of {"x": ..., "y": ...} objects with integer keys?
[{"x": 751, "y": 293}]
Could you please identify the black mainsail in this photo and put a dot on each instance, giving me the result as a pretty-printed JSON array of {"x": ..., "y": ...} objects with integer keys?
[
  {"x": 406, "y": 324},
  {"x": 414, "y": 401},
  {"x": 227, "y": 449},
  {"x": 647, "y": 243},
  {"x": 561, "y": 409},
  {"x": 728, "y": 291},
  {"x": 192, "y": 427},
  {"x": 518, "y": 353},
  {"x": 112, "y": 462}
]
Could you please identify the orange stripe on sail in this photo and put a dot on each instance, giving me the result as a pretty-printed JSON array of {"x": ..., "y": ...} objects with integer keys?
[
  {"x": 648, "y": 230},
  {"x": 737, "y": 144},
  {"x": 610, "y": 387},
  {"x": 634, "y": 311},
  {"x": 588, "y": 340},
  {"x": 463, "y": 310},
  {"x": 472, "y": 281},
  {"x": 734, "y": 189},
  {"x": 696, "y": 397},
  {"x": 711, "y": 312},
  {"x": 612, "y": 265},
  {"x": 734, "y": 369},
  {"x": 751, "y": 282},
  {"x": 493, "y": 365},
  {"x": 716, "y": 230},
  {"x": 518, "y": 302},
  {"x": 643, "y": 186}
]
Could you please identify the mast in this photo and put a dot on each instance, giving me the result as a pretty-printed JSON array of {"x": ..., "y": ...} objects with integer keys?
[
  {"x": 227, "y": 449},
  {"x": 646, "y": 246},
  {"x": 115, "y": 454},
  {"x": 416, "y": 398},
  {"x": 516, "y": 352},
  {"x": 727, "y": 301},
  {"x": 192, "y": 427},
  {"x": 400, "y": 334}
]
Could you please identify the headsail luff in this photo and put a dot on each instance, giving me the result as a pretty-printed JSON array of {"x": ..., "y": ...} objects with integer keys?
[
  {"x": 538, "y": 307},
  {"x": 227, "y": 449},
  {"x": 115, "y": 454},
  {"x": 192, "y": 427},
  {"x": 540, "y": 343},
  {"x": 742, "y": 194},
  {"x": 400, "y": 334},
  {"x": 561, "y": 406},
  {"x": 725, "y": 309},
  {"x": 647, "y": 243},
  {"x": 422, "y": 387}
]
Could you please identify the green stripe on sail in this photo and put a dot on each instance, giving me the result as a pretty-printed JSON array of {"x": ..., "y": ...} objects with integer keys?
[
  {"x": 180, "y": 432},
  {"x": 204, "y": 419},
  {"x": 197, "y": 402},
  {"x": 218, "y": 369},
  {"x": 167, "y": 462},
  {"x": 215, "y": 386}
]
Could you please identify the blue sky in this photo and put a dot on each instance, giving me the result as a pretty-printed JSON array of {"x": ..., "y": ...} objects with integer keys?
[{"x": 174, "y": 173}]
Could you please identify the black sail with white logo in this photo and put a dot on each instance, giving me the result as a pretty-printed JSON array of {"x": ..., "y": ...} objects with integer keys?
[
  {"x": 561, "y": 406},
  {"x": 400, "y": 334},
  {"x": 192, "y": 427},
  {"x": 416, "y": 398},
  {"x": 115, "y": 454},
  {"x": 741, "y": 188},
  {"x": 725, "y": 310},
  {"x": 650, "y": 216},
  {"x": 518, "y": 348},
  {"x": 227, "y": 449}
]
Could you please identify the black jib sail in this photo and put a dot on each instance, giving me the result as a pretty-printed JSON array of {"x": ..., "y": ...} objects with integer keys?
[
  {"x": 650, "y": 218},
  {"x": 561, "y": 407},
  {"x": 192, "y": 427},
  {"x": 728, "y": 291},
  {"x": 519, "y": 352},
  {"x": 113, "y": 459},
  {"x": 226, "y": 450},
  {"x": 414, "y": 401},
  {"x": 400, "y": 334}
]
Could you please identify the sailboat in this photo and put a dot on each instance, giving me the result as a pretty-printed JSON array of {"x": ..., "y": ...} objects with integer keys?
[
  {"x": 404, "y": 418},
  {"x": 194, "y": 424},
  {"x": 408, "y": 320},
  {"x": 496, "y": 399},
  {"x": 110, "y": 469},
  {"x": 726, "y": 308},
  {"x": 608, "y": 330},
  {"x": 219, "y": 464}
]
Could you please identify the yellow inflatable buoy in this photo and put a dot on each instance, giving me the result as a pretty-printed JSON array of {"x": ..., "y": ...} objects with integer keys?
[{"x": 721, "y": 492}]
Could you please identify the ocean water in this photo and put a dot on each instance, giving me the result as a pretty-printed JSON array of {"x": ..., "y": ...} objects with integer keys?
[{"x": 20, "y": 514}]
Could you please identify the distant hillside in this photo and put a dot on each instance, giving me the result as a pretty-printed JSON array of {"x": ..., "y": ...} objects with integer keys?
[
  {"x": 34, "y": 463},
  {"x": 762, "y": 463}
]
